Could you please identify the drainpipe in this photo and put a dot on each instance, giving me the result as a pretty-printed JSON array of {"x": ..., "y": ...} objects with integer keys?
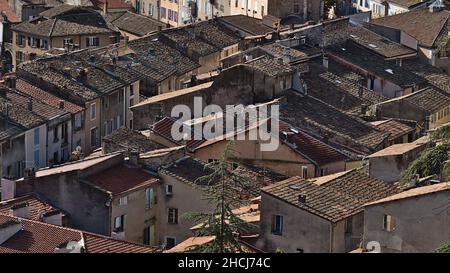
[{"x": 331, "y": 237}]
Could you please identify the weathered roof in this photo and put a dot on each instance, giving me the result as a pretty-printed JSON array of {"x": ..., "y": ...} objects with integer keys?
[
  {"x": 406, "y": 3},
  {"x": 429, "y": 99},
  {"x": 334, "y": 200},
  {"x": 66, "y": 25},
  {"x": 394, "y": 127},
  {"x": 134, "y": 23},
  {"x": 213, "y": 33},
  {"x": 338, "y": 91},
  {"x": 378, "y": 44},
  {"x": 270, "y": 66},
  {"x": 74, "y": 166},
  {"x": 45, "y": 97},
  {"x": 397, "y": 149},
  {"x": 187, "y": 39},
  {"x": 121, "y": 178},
  {"x": 313, "y": 115},
  {"x": 375, "y": 64},
  {"x": 250, "y": 25},
  {"x": 125, "y": 139},
  {"x": 421, "y": 24},
  {"x": 416, "y": 192},
  {"x": 311, "y": 148},
  {"x": 113, "y": 4},
  {"x": 174, "y": 94},
  {"x": 36, "y": 206},
  {"x": 39, "y": 237}
]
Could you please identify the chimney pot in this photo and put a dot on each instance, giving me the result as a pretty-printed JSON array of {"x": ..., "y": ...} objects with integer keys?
[{"x": 302, "y": 198}]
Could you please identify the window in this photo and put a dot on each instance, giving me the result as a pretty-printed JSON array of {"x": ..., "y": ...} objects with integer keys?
[
  {"x": 64, "y": 132},
  {"x": 43, "y": 44},
  {"x": 37, "y": 158},
  {"x": 20, "y": 40},
  {"x": 131, "y": 90},
  {"x": 389, "y": 223},
  {"x": 296, "y": 8},
  {"x": 277, "y": 225},
  {"x": 150, "y": 9},
  {"x": 163, "y": 13},
  {"x": 78, "y": 120},
  {"x": 123, "y": 201},
  {"x": 67, "y": 41},
  {"x": 149, "y": 197},
  {"x": 172, "y": 216},
  {"x": 169, "y": 189},
  {"x": 262, "y": 9},
  {"x": 32, "y": 41},
  {"x": 55, "y": 134},
  {"x": 131, "y": 102},
  {"x": 94, "y": 137},
  {"x": 105, "y": 128},
  {"x": 55, "y": 157},
  {"x": 120, "y": 223},
  {"x": 20, "y": 57},
  {"x": 304, "y": 172},
  {"x": 92, "y": 41},
  {"x": 93, "y": 111},
  {"x": 36, "y": 136},
  {"x": 170, "y": 242}
]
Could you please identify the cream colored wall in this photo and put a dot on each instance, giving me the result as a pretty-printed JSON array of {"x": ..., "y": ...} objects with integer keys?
[
  {"x": 138, "y": 216},
  {"x": 439, "y": 120},
  {"x": 173, "y": 6},
  {"x": 89, "y": 124}
]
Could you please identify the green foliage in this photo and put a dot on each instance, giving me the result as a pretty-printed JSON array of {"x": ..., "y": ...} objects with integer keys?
[
  {"x": 225, "y": 190},
  {"x": 428, "y": 163},
  {"x": 444, "y": 249},
  {"x": 441, "y": 133},
  {"x": 444, "y": 45}
]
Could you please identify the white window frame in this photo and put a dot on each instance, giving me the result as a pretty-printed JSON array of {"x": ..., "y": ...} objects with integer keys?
[
  {"x": 93, "y": 111},
  {"x": 123, "y": 201}
]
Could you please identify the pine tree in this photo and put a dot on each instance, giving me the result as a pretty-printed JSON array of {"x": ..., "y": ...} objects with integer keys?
[{"x": 225, "y": 190}]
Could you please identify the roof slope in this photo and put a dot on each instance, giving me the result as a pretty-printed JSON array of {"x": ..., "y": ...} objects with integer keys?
[
  {"x": 36, "y": 206},
  {"x": 133, "y": 23},
  {"x": 421, "y": 24}
]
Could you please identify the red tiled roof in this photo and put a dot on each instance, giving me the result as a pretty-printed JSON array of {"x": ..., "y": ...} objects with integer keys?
[
  {"x": 36, "y": 206},
  {"x": 96, "y": 243},
  {"x": 38, "y": 237},
  {"x": 308, "y": 146},
  {"x": 395, "y": 128},
  {"x": 112, "y": 4},
  {"x": 37, "y": 93},
  {"x": 12, "y": 17},
  {"x": 121, "y": 178}
]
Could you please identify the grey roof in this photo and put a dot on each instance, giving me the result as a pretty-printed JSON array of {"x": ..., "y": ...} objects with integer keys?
[{"x": 133, "y": 23}]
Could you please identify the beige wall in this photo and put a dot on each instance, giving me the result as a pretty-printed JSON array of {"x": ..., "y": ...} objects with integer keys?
[
  {"x": 89, "y": 124},
  {"x": 138, "y": 217},
  {"x": 186, "y": 200},
  {"x": 53, "y": 42}
]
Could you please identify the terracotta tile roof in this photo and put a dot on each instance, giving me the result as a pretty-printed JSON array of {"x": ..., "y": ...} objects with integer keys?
[
  {"x": 378, "y": 44},
  {"x": 420, "y": 191},
  {"x": 12, "y": 17},
  {"x": 190, "y": 243},
  {"x": 397, "y": 149},
  {"x": 250, "y": 25},
  {"x": 19, "y": 115},
  {"x": 428, "y": 99},
  {"x": 339, "y": 91},
  {"x": 47, "y": 98},
  {"x": 366, "y": 60},
  {"x": 36, "y": 206},
  {"x": 335, "y": 200},
  {"x": 186, "y": 39},
  {"x": 113, "y": 4},
  {"x": 134, "y": 23},
  {"x": 421, "y": 24},
  {"x": 214, "y": 34},
  {"x": 314, "y": 116},
  {"x": 157, "y": 60},
  {"x": 95, "y": 243},
  {"x": 75, "y": 165},
  {"x": 395, "y": 128},
  {"x": 311, "y": 148},
  {"x": 125, "y": 139},
  {"x": 190, "y": 170},
  {"x": 121, "y": 178},
  {"x": 38, "y": 237},
  {"x": 270, "y": 66},
  {"x": 406, "y": 3}
]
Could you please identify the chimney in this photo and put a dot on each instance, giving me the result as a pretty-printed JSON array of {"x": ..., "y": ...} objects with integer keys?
[
  {"x": 325, "y": 61},
  {"x": 21, "y": 210},
  {"x": 364, "y": 108},
  {"x": 82, "y": 77},
  {"x": 302, "y": 198},
  {"x": 193, "y": 81},
  {"x": 11, "y": 81},
  {"x": 3, "y": 92},
  {"x": 9, "y": 229},
  {"x": 30, "y": 104},
  {"x": 61, "y": 104},
  {"x": 53, "y": 218},
  {"x": 134, "y": 158},
  {"x": 105, "y": 7}
]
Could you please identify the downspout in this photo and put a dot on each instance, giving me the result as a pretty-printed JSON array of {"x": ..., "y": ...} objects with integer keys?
[{"x": 331, "y": 237}]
